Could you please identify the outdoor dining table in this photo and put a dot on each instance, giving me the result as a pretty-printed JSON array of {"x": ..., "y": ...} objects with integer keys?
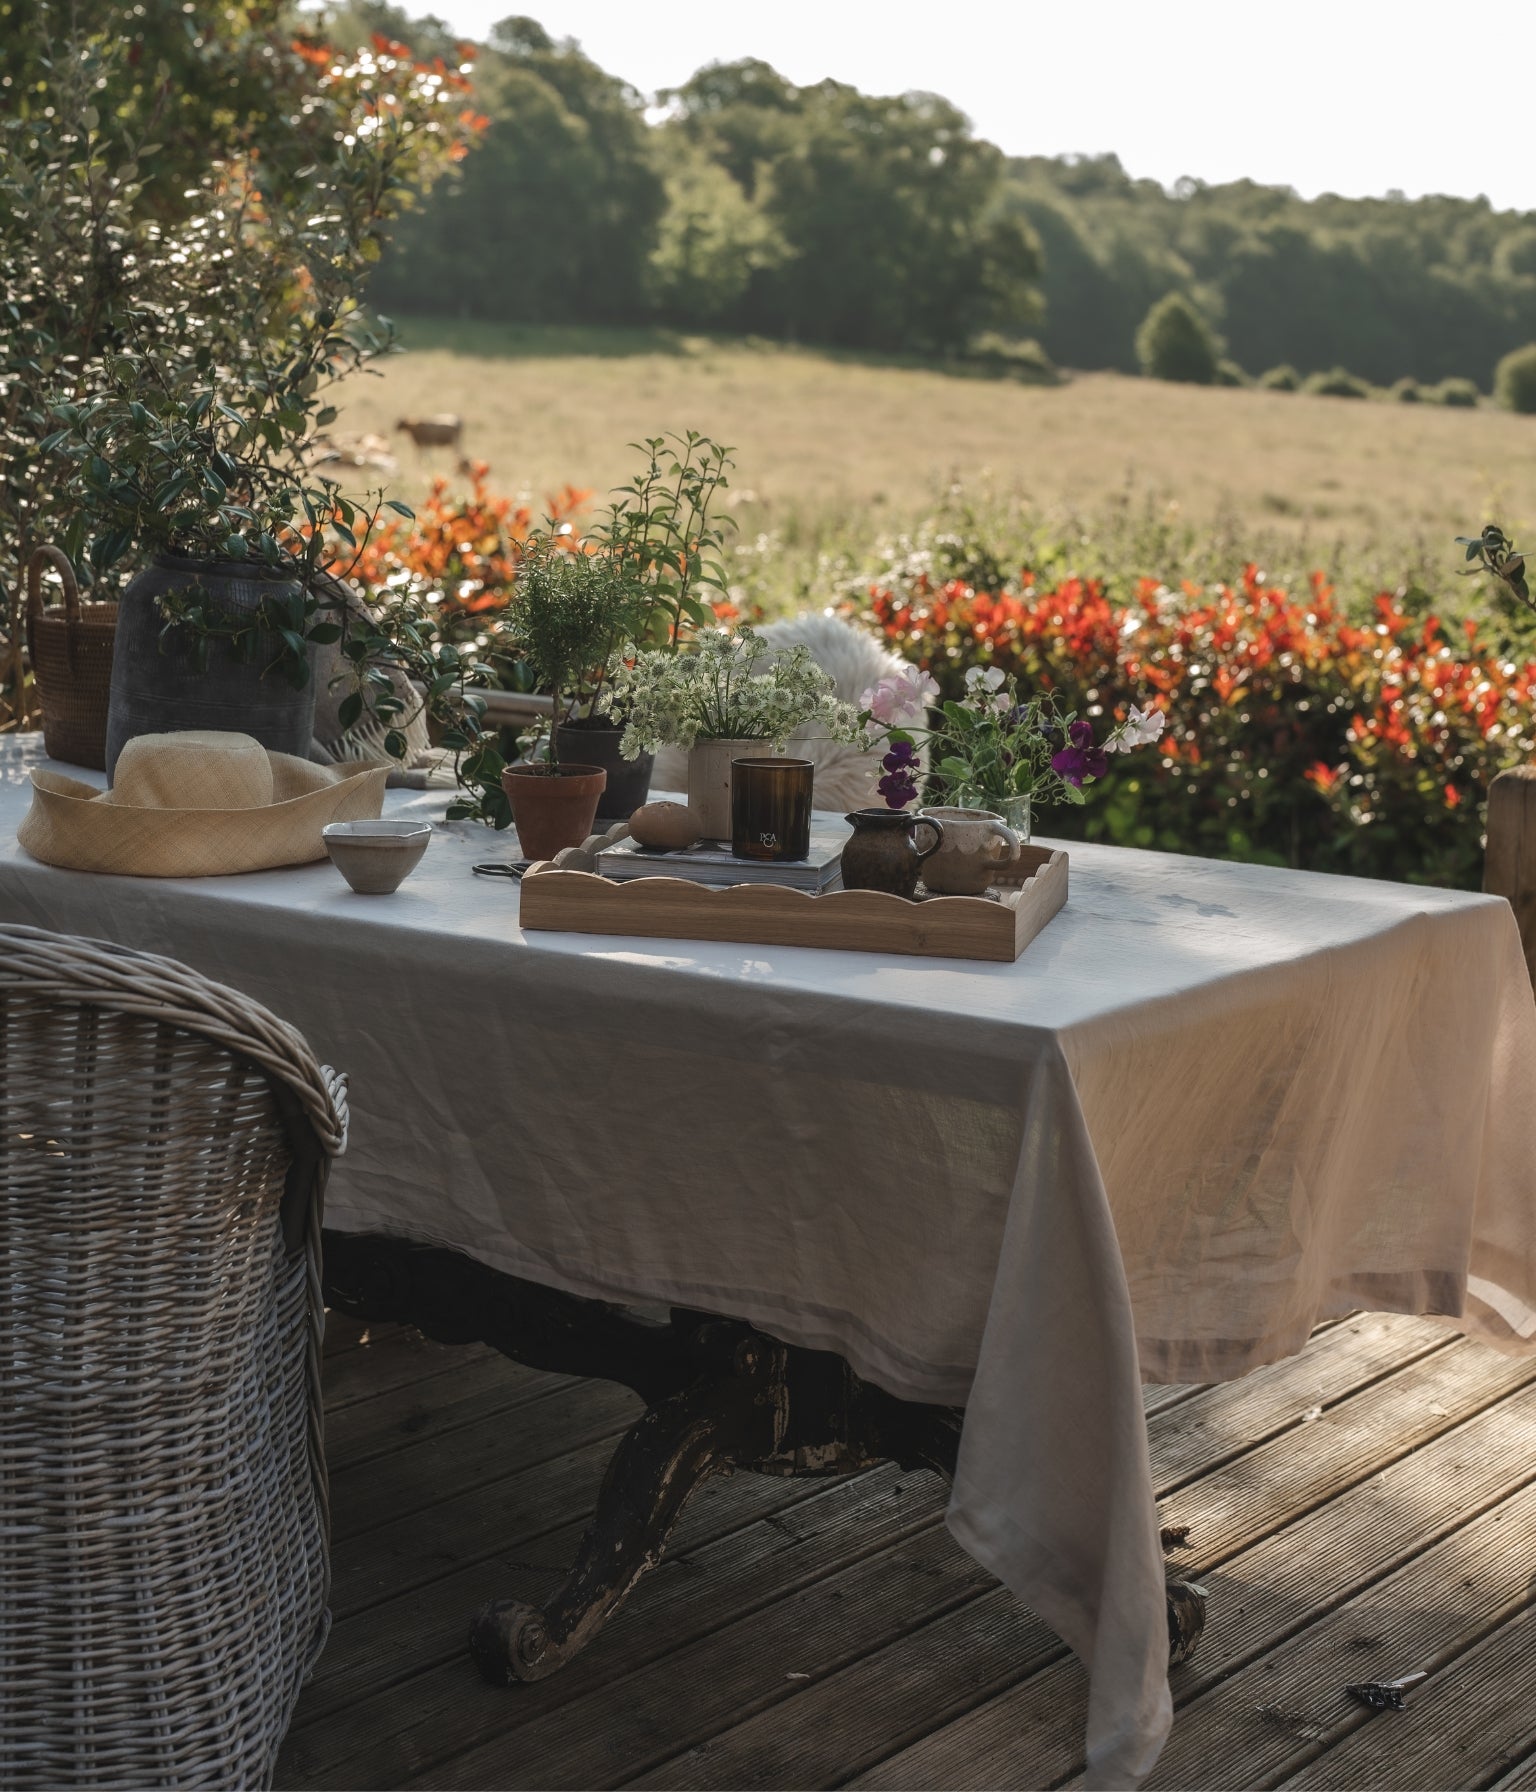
[{"x": 1210, "y": 1106}]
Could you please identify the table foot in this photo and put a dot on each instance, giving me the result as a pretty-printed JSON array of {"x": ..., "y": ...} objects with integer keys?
[
  {"x": 731, "y": 1412},
  {"x": 1186, "y": 1620}
]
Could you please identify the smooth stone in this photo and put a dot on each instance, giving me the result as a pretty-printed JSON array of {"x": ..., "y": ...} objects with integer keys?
[{"x": 665, "y": 826}]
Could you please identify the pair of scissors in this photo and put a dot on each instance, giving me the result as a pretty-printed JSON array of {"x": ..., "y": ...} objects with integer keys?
[{"x": 512, "y": 868}]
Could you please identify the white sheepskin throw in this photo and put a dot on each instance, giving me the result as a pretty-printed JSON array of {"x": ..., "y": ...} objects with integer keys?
[{"x": 845, "y": 775}]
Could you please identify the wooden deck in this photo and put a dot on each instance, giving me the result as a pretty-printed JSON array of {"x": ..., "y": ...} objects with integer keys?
[{"x": 1361, "y": 1511}]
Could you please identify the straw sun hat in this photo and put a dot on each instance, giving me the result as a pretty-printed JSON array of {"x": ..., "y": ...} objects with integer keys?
[{"x": 197, "y": 804}]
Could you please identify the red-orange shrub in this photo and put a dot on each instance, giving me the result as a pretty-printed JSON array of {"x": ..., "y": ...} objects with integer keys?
[{"x": 1295, "y": 735}]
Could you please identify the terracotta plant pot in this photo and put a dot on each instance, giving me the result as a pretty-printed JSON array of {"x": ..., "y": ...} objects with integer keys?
[{"x": 552, "y": 809}]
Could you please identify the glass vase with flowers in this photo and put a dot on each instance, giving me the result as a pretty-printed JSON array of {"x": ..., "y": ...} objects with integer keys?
[{"x": 992, "y": 749}]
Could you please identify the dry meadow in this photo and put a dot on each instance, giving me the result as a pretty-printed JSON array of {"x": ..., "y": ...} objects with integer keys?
[{"x": 840, "y": 447}]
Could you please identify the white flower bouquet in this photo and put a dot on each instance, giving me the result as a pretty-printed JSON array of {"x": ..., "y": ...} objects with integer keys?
[{"x": 721, "y": 689}]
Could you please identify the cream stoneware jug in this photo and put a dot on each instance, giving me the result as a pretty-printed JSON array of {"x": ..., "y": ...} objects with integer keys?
[{"x": 977, "y": 845}]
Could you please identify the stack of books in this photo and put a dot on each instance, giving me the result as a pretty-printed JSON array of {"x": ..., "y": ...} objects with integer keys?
[{"x": 711, "y": 863}]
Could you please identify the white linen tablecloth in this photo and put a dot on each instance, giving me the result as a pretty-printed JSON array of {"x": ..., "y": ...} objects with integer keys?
[{"x": 1211, "y": 1105}]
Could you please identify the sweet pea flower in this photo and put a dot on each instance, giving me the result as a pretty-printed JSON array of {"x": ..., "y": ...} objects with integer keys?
[
  {"x": 900, "y": 699},
  {"x": 1139, "y": 729},
  {"x": 988, "y": 678},
  {"x": 899, "y": 785},
  {"x": 1080, "y": 759}
]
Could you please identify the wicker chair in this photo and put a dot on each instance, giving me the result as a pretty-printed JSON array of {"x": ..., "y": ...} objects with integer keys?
[{"x": 164, "y": 1529}]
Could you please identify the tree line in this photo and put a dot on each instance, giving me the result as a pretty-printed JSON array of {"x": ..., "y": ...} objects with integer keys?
[{"x": 825, "y": 215}]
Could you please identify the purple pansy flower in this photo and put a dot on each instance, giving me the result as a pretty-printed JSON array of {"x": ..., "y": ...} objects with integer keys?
[
  {"x": 899, "y": 785},
  {"x": 1080, "y": 759}
]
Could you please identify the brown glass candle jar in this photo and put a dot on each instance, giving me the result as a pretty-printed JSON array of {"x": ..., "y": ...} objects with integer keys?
[{"x": 771, "y": 808}]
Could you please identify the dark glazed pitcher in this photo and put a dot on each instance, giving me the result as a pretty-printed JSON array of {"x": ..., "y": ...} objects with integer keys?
[{"x": 883, "y": 853}]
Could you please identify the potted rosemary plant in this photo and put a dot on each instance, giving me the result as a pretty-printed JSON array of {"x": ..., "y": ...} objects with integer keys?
[
  {"x": 571, "y": 611},
  {"x": 659, "y": 534}
]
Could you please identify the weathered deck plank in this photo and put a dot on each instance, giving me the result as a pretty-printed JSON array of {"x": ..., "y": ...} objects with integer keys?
[
  {"x": 844, "y": 1725},
  {"x": 808, "y": 1635}
]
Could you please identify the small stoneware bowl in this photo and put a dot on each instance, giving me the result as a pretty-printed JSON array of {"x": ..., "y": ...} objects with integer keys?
[{"x": 376, "y": 857}]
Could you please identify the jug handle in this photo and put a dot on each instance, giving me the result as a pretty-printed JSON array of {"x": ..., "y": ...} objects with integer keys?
[
  {"x": 927, "y": 821},
  {"x": 1000, "y": 830}
]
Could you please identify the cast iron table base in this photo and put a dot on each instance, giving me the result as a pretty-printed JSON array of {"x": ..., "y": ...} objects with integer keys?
[{"x": 719, "y": 1395}]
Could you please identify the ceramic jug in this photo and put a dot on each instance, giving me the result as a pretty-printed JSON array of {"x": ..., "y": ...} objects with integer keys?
[
  {"x": 883, "y": 853},
  {"x": 977, "y": 845}
]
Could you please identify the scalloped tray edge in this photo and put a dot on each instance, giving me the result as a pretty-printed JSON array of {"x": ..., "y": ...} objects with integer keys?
[{"x": 553, "y": 900}]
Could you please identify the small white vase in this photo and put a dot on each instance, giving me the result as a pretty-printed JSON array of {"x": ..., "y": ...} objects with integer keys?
[{"x": 709, "y": 781}]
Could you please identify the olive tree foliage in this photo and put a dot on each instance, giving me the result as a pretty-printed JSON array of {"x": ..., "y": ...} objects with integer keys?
[
  {"x": 883, "y": 212},
  {"x": 153, "y": 297}
]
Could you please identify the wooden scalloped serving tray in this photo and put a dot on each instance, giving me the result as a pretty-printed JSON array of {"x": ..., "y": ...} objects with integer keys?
[{"x": 672, "y": 908}]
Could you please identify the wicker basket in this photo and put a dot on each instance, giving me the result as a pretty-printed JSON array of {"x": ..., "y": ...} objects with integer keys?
[{"x": 71, "y": 651}]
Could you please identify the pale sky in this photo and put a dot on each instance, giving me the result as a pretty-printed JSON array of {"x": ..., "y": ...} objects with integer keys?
[{"x": 1346, "y": 96}]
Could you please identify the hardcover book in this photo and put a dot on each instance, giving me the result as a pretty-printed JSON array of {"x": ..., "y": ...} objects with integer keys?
[{"x": 711, "y": 863}]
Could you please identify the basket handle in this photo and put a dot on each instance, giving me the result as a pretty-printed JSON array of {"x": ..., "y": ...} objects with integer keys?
[{"x": 59, "y": 561}]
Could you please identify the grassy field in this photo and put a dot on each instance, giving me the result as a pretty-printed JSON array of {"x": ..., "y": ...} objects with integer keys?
[{"x": 834, "y": 452}]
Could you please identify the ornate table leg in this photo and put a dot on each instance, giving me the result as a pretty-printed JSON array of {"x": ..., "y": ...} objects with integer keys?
[
  {"x": 728, "y": 1415},
  {"x": 1186, "y": 1619},
  {"x": 719, "y": 1395}
]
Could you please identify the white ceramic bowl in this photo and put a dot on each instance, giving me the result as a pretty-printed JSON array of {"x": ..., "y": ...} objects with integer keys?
[{"x": 376, "y": 857}]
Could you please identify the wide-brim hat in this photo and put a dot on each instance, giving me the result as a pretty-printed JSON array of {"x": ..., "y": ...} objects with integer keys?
[{"x": 197, "y": 804}]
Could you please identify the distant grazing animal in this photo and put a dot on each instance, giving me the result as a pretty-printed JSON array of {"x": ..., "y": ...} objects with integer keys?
[
  {"x": 845, "y": 774},
  {"x": 442, "y": 431},
  {"x": 350, "y": 451}
]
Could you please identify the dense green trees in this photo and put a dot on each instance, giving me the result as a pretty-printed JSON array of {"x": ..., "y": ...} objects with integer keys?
[
  {"x": 555, "y": 216},
  {"x": 1427, "y": 288},
  {"x": 815, "y": 213},
  {"x": 881, "y": 212},
  {"x": 749, "y": 204}
]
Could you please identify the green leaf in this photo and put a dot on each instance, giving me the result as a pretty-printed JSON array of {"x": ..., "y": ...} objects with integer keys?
[
  {"x": 394, "y": 744},
  {"x": 234, "y": 546},
  {"x": 349, "y": 709},
  {"x": 400, "y": 509},
  {"x": 324, "y": 633}
]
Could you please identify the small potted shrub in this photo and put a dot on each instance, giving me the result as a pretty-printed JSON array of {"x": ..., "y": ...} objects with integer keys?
[
  {"x": 659, "y": 534},
  {"x": 571, "y": 611}
]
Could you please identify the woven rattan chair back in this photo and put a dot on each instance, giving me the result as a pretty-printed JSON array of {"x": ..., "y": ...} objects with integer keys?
[{"x": 164, "y": 1567}]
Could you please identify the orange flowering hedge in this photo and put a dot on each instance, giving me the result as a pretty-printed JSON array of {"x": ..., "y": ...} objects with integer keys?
[
  {"x": 461, "y": 550},
  {"x": 1295, "y": 735}
]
